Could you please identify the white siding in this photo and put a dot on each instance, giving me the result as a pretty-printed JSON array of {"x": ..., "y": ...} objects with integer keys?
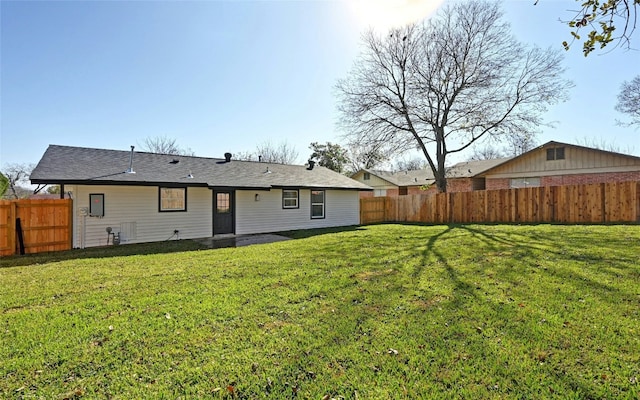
[
  {"x": 134, "y": 209},
  {"x": 342, "y": 208}
]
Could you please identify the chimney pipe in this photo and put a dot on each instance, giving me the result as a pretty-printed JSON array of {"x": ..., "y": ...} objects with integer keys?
[
  {"x": 227, "y": 157},
  {"x": 311, "y": 165},
  {"x": 259, "y": 158},
  {"x": 130, "y": 170}
]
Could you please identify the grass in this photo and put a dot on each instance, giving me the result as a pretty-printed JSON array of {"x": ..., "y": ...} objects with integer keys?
[{"x": 385, "y": 311}]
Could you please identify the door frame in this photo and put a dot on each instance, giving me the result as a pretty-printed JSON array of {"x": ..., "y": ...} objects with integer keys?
[{"x": 232, "y": 206}]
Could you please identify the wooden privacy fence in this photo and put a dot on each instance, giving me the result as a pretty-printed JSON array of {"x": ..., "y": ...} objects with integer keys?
[
  {"x": 44, "y": 225},
  {"x": 574, "y": 204}
]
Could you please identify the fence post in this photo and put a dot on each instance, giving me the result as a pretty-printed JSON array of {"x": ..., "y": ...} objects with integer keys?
[
  {"x": 70, "y": 222},
  {"x": 11, "y": 227}
]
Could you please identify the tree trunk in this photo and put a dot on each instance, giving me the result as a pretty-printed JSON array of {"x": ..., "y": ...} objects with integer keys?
[{"x": 441, "y": 180}]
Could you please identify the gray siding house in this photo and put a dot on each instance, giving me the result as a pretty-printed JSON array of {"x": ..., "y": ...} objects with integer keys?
[{"x": 147, "y": 197}]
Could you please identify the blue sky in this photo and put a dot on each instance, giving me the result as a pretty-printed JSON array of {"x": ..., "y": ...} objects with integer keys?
[{"x": 228, "y": 75}]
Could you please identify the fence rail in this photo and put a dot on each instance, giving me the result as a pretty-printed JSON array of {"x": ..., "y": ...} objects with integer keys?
[
  {"x": 46, "y": 225},
  {"x": 573, "y": 204}
]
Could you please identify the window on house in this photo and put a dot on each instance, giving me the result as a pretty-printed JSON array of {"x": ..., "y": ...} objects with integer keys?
[
  {"x": 556, "y": 153},
  {"x": 517, "y": 183},
  {"x": 290, "y": 198},
  {"x": 379, "y": 192},
  {"x": 223, "y": 203},
  {"x": 367, "y": 176},
  {"x": 317, "y": 204},
  {"x": 402, "y": 191},
  {"x": 173, "y": 199}
]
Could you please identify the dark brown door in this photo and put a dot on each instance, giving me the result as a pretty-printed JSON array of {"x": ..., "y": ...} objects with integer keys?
[{"x": 223, "y": 212}]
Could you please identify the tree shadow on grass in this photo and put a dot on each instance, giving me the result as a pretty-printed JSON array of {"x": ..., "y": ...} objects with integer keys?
[{"x": 519, "y": 258}]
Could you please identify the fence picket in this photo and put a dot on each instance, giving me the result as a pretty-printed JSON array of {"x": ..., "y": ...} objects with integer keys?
[
  {"x": 572, "y": 204},
  {"x": 46, "y": 224}
]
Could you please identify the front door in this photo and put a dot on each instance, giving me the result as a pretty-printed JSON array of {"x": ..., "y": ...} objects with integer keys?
[{"x": 223, "y": 211}]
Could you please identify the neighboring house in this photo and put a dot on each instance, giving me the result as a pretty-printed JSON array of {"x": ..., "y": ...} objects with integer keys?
[
  {"x": 556, "y": 163},
  {"x": 146, "y": 197},
  {"x": 461, "y": 177},
  {"x": 552, "y": 164}
]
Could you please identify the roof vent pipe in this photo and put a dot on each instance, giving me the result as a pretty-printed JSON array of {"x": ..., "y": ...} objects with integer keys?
[
  {"x": 259, "y": 158},
  {"x": 130, "y": 170},
  {"x": 311, "y": 165},
  {"x": 227, "y": 157}
]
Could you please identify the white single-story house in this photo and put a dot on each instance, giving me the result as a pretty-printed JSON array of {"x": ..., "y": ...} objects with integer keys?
[{"x": 147, "y": 197}]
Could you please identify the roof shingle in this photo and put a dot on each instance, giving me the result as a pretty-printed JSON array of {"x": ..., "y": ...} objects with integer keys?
[{"x": 80, "y": 165}]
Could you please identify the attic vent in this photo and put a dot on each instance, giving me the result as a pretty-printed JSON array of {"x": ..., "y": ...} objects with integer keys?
[
  {"x": 174, "y": 161},
  {"x": 227, "y": 157},
  {"x": 311, "y": 165}
]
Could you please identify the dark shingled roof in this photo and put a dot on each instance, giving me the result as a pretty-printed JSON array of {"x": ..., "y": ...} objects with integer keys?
[
  {"x": 465, "y": 169},
  {"x": 78, "y": 165}
]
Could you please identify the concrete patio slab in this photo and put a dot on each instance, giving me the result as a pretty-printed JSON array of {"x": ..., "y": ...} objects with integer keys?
[{"x": 223, "y": 241}]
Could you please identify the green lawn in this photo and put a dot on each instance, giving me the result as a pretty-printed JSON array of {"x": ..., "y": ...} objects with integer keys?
[{"x": 384, "y": 311}]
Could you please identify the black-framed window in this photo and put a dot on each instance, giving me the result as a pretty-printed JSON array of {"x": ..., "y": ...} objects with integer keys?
[
  {"x": 96, "y": 204},
  {"x": 172, "y": 199},
  {"x": 290, "y": 198},
  {"x": 556, "y": 153},
  {"x": 317, "y": 204}
]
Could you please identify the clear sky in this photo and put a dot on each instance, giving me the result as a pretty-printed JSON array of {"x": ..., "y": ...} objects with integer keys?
[{"x": 227, "y": 75}]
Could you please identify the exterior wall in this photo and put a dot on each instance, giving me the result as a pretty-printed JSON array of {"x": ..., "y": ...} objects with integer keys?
[
  {"x": 453, "y": 185},
  {"x": 575, "y": 179},
  {"x": 498, "y": 183},
  {"x": 376, "y": 183},
  {"x": 589, "y": 178},
  {"x": 139, "y": 204},
  {"x": 459, "y": 185},
  {"x": 342, "y": 208},
  {"x": 365, "y": 194},
  {"x": 417, "y": 190},
  {"x": 578, "y": 160}
]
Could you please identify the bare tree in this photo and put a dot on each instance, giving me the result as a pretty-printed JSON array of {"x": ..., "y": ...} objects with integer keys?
[
  {"x": 486, "y": 152},
  {"x": 413, "y": 164},
  {"x": 18, "y": 175},
  {"x": 520, "y": 143},
  {"x": 283, "y": 153},
  {"x": 444, "y": 85},
  {"x": 245, "y": 156},
  {"x": 165, "y": 145},
  {"x": 602, "y": 144},
  {"x": 629, "y": 101}
]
